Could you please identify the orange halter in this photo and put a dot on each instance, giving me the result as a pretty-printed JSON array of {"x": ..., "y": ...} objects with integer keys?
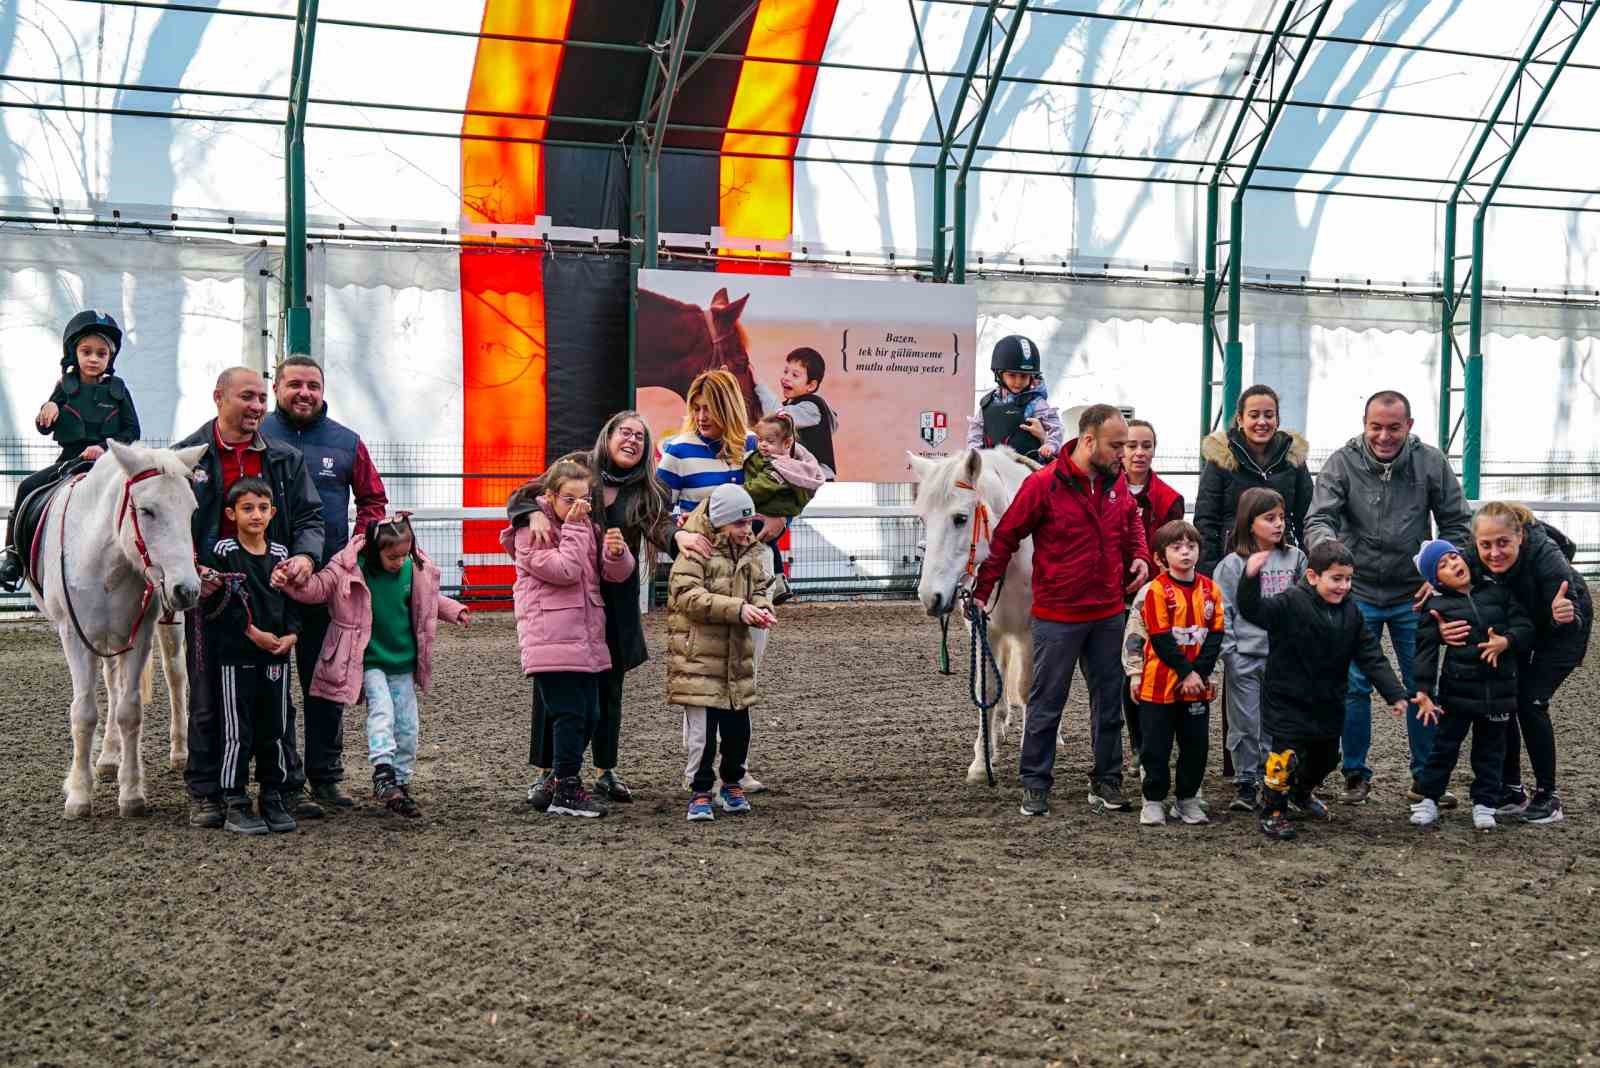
[{"x": 980, "y": 529}]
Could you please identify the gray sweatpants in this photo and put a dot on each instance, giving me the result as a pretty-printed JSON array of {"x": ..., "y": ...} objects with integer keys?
[
  {"x": 1057, "y": 648},
  {"x": 1248, "y": 744}
]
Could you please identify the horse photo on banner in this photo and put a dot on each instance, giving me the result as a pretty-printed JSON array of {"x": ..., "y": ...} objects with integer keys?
[{"x": 892, "y": 362}]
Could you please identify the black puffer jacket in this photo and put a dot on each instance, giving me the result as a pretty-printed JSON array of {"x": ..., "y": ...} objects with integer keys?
[
  {"x": 1230, "y": 470},
  {"x": 1535, "y": 579},
  {"x": 1464, "y": 684},
  {"x": 1308, "y": 665}
]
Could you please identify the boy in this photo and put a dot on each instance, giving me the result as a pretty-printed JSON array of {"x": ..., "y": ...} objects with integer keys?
[
  {"x": 1182, "y": 617},
  {"x": 1017, "y": 412},
  {"x": 1314, "y": 630},
  {"x": 715, "y": 604},
  {"x": 1476, "y": 686},
  {"x": 814, "y": 421},
  {"x": 249, "y": 629}
]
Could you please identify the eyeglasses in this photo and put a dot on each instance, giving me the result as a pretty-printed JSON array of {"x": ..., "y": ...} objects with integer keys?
[
  {"x": 631, "y": 435},
  {"x": 569, "y": 501}
]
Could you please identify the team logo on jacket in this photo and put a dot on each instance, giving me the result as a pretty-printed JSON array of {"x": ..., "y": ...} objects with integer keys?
[
  {"x": 199, "y": 474},
  {"x": 274, "y": 673},
  {"x": 935, "y": 427},
  {"x": 1211, "y": 611},
  {"x": 327, "y": 463}
]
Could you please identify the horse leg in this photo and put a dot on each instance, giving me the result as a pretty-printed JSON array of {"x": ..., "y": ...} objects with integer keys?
[
  {"x": 170, "y": 648},
  {"x": 110, "y": 759},
  {"x": 127, "y": 717},
  {"x": 79, "y": 785}
]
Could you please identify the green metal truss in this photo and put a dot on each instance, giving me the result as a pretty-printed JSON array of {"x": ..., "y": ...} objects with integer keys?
[
  {"x": 297, "y": 312},
  {"x": 974, "y": 136}
]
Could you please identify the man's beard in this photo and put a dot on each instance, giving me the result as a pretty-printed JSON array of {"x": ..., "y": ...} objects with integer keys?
[
  {"x": 296, "y": 418},
  {"x": 1110, "y": 470}
]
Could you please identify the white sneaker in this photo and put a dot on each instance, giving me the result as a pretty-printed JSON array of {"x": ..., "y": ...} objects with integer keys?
[
  {"x": 1425, "y": 813},
  {"x": 1153, "y": 814},
  {"x": 1189, "y": 811},
  {"x": 1483, "y": 817},
  {"x": 752, "y": 785}
]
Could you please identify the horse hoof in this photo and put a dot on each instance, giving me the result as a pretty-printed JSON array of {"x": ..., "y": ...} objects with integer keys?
[
  {"x": 977, "y": 776},
  {"x": 78, "y": 810},
  {"x": 105, "y": 772},
  {"x": 134, "y": 806},
  {"x": 178, "y": 762}
]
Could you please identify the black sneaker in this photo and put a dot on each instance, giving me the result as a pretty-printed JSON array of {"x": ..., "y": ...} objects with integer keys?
[
  {"x": 302, "y": 807},
  {"x": 275, "y": 814},
  {"x": 1106, "y": 797},
  {"x": 610, "y": 787},
  {"x": 1309, "y": 807},
  {"x": 10, "y": 570},
  {"x": 207, "y": 812},
  {"x": 571, "y": 799},
  {"x": 1544, "y": 808},
  {"x": 386, "y": 788},
  {"x": 541, "y": 791},
  {"x": 1247, "y": 798},
  {"x": 1035, "y": 802},
  {"x": 1276, "y": 825},
  {"x": 242, "y": 819},
  {"x": 1514, "y": 802},
  {"x": 1356, "y": 790},
  {"x": 406, "y": 806},
  {"x": 330, "y": 797}
]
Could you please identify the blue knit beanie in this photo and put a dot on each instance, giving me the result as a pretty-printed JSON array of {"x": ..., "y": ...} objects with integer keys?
[{"x": 1427, "y": 560}]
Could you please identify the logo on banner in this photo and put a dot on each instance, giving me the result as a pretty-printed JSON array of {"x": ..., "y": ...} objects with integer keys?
[{"x": 935, "y": 428}]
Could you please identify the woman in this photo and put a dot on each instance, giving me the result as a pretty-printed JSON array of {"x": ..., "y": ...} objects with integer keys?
[
  {"x": 1523, "y": 553},
  {"x": 627, "y": 494},
  {"x": 1252, "y": 452}
]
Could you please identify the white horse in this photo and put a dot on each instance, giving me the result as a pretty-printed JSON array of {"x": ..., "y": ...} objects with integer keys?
[
  {"x": 960, "y": 502},
  {"x": 116, "y": 551}
]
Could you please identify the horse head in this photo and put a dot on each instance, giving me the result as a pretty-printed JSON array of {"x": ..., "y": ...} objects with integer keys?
[
  {"x": 152, "y": 521},
  {"x": 730, "y": 345},
  {"x": 948, "y": 501}
]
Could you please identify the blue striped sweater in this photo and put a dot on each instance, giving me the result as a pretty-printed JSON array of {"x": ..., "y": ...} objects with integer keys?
[{"x": 691, "y": 469}]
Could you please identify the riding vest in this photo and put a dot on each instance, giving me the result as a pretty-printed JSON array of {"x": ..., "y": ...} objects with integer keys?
[
  {"x": 91, "y": 414},
  {"x": 818, "y": 439},
  {"x": 1003, "y": 419}
]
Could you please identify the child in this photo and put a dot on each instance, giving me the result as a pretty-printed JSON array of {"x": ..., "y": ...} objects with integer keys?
[
  {"x": 561, "y": 624},
  {"x": 1258, "y": 527},
  {"x": 384, "y": 606},
  {"x": 89, "y": 407},
  {"x": 1182, "y": 616},
  {"x": 711, "y": 668},
  {"x": 1475, "y": 688},
  {"x": 1017, "y": 411},
  {"x": 1314, "y": 632},
  {"x": 249, "y": 628},
  {"x": 814, "y": 421}
]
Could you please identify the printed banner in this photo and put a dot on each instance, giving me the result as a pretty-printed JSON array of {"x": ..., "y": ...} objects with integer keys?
[{"x": 888, "y": 365}]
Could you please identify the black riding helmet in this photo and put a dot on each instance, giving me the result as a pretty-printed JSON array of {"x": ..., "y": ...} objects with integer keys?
[
  {"x": 89, "y": 322},
  {"x": 1015, "y": 353}
]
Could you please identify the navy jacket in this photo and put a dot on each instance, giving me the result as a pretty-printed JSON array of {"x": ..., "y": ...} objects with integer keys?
[{"x": 338, "y": 463}]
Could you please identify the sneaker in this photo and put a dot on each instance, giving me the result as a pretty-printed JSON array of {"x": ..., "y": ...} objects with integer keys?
[
  {"x": 302, "y": 807},
  {"x": 1544, "y": 808},
  {"x": 1424, "y": 813},
  {"x": 571, "y": 799},
  {"x": 1449, "y": 800},
  {"x": 330, "y": 797},
  {"x": 541, "y": 790},
  {"x": 1356, "y": 790},
  {"x": 386, "y": 788},
  {"x": 275, "y": 814},
  {"x": 1152, "y": 814},
  {"x": 1276, "y": 825},
  {"x": 752, "y": 785},
  {"x": 405, "y": 805},
  {"x": 731, "y": 800},
  {"x": 1513, "y": 802},
  {"x": 1309, "y": 807},
  {"x": 207, "y": 813},
  {"x": 242, "y": 819},
  {"x": 1247, "y": 798},
  {"x": 1483, "y": 818},
  {"x": 700, "y": 808},
  {"x": 1106, "y": 797},
  {"x": 1189, "y": 811},
  {"x": 779, "y": 592},
  {"x": 10, "y": 570},
  {"x": 609, "y": 785},
  {"x": 1035, "y": 802}
]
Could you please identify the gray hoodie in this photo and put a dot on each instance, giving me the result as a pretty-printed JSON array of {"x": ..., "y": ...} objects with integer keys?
[
  {"x": 1285, "y": 567},
  {"x": 1382, "y": 512}
]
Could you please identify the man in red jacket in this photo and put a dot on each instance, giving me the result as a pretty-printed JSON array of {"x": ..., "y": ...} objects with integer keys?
[{"x": 1089, "y": 548}]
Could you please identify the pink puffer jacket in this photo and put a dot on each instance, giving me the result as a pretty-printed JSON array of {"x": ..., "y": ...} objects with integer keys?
[
  {"x": 561, "y": 620},
  {"x": 343, "y": 588}
]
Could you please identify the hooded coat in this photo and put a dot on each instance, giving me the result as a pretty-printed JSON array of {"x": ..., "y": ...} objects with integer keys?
[
  {"x": 1231, "y": 469},
  {"x": 711, "y": 652}
]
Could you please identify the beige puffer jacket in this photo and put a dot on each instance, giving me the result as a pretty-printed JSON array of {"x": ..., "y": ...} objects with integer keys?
[{"x": 711, "y": 654}]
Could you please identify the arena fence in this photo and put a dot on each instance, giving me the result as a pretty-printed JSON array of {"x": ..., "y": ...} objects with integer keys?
[{"x": 856, "y": 541}]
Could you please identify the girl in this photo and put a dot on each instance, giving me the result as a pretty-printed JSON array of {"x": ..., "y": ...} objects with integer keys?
[
  {"x": 1251, "y": 452},
  {"x": 89, "y": 407},
  {"x": 384, "y": 608},
  {"x": 1259, "y": 527},
  {"x": 632, "y": 501},
  {"x": 561, "y": 623}
]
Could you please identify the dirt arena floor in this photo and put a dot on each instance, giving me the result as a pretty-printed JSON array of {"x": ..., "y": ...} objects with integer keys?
[{"x": 873, "y": 910}]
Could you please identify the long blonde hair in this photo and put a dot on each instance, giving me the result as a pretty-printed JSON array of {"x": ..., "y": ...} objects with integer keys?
[{"x": 720, "y": 392}]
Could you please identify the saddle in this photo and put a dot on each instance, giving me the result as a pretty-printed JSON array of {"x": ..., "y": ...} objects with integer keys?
[{"x": 31, "y": 511}]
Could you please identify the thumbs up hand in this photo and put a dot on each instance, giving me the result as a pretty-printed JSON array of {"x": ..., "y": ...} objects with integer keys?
[{"x": 1562, "y": 610}]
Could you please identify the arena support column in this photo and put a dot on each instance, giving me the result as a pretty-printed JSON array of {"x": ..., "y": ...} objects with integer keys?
[
  {"x": 974, "y": 135},
  {"x": 297, "y": 313},
  {"x": 941, "y": 167}
]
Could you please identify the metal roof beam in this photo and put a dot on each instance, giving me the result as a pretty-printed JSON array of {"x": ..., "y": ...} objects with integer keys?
[
  {"x": 297, "y": 311},
  {"x": 976, "y": 135}
]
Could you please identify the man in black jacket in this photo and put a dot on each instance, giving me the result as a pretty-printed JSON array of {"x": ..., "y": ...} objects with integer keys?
[{"x": 236, "y": 450}]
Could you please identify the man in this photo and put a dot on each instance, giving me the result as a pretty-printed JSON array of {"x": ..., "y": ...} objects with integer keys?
[
  {"x": 339, "y": 465},
  {"x": 1089, "y": 549},
  {"x": 1383, "y": 495},
  {"x": 236, "y": 450}
]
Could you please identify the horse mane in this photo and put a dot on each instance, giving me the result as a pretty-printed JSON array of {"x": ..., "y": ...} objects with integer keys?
[{"x": 944, "y": 477}]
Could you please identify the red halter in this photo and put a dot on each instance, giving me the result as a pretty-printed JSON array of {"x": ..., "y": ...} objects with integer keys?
[
  {"x": 126, "y": 508},
  {"x": 980, "y": 529}
]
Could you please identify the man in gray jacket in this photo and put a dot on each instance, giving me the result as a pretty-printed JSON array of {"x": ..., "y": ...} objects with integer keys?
[{"x": 1384, "y": 494}]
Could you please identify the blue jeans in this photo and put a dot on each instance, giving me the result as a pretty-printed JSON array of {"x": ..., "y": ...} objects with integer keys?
[
  {"x": 391, "y": 721},
  {"x": 1357, "y": 741}
]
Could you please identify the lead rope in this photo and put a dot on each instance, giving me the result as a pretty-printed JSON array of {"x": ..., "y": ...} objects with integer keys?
[{"x": 981, "y": 666}]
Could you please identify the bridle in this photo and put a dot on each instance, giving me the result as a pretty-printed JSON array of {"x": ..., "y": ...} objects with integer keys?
[
  {"x": 125, "y": 509},
  {"x": 981, "y": 529}
]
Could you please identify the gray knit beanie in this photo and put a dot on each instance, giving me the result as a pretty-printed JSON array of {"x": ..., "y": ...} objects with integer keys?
[{"x": 729, "y": 504}]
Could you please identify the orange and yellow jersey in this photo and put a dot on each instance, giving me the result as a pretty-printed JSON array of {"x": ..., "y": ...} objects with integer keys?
[{"x": 1190, "y": 613}]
